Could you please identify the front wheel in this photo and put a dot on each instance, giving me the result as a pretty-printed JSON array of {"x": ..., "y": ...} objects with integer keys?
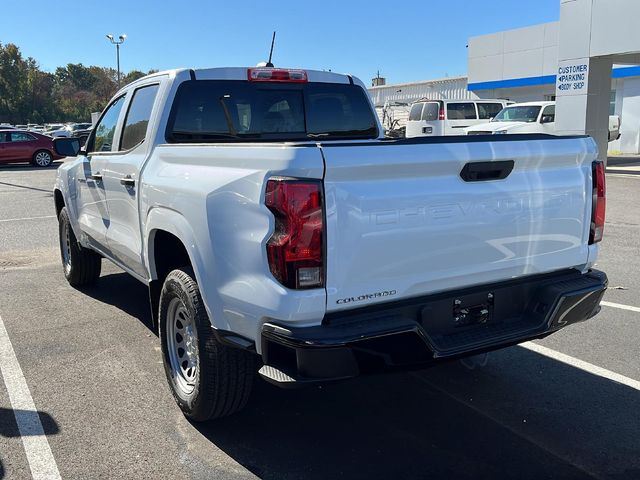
[
  {"x": 208, "y": 379},
  {"x": 42, "y": 158},
  {"x": 81, "y": 266}
]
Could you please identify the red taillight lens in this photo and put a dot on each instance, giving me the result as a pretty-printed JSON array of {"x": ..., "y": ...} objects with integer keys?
[
  {"x": 599, "y": 202},
  {"x": 441, "y": 113},
  {"x": 295, "y": 250},
  {"x": 266, "y": 74}
]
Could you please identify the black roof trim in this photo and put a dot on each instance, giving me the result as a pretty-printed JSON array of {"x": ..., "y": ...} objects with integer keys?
[{"x": 453, "y": 139}]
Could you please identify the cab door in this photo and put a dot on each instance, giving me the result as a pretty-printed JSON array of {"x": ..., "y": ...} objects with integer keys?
[
  {"x": 20, "y": 146},
  {"x": 93, "y": 215},
  {"x": 121, "y": 179}
]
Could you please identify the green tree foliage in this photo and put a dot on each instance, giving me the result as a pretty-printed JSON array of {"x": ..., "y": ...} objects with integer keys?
[{"x": 70, "y": 94}]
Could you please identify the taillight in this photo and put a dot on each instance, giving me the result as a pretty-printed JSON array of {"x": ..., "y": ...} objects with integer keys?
[
  {"x": 599, "y": 202},
  {"x": 295, "y": 250},
  {"x": 441, "y": 113},
  {"x": 266, "y": 74}
]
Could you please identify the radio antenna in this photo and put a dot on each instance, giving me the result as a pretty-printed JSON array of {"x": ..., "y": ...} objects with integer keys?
[{"x": 273, "y": 40}]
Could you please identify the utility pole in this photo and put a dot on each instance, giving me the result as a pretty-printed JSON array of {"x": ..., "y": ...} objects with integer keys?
[{"x": 117, "y": 43}]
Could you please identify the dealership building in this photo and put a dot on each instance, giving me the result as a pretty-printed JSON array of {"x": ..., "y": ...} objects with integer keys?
[{"x": 527, "y": 64}]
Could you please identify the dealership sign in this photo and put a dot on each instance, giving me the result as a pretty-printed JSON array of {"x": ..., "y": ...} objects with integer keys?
[{"x": 572, "y": 77}]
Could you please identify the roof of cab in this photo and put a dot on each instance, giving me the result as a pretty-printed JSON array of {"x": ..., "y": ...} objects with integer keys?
[{"x": 240, "y": 73}]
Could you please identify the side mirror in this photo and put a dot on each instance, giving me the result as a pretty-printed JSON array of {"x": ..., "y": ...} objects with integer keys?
[
  {"x": 66, "y": 146},
  {"x": 547, "y": 119}
]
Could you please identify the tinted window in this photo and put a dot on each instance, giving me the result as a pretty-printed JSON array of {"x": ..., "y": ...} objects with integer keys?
[
  {"x": 20, "y": 137},
  {"x": 135, "y": 125},
  {"x": 487, "y": 111},
  {"x": 236, "y": 110},
  {"x": 518, "y": 114},
  {"x": 103, "y": 138},
  {"x": 430, "y": 111},
  {"x": 549, "y": 111},
  {"x": 461, "y": 111},
  {"x": 416, "y": 111},
  {"x": 4, "y": 137}
]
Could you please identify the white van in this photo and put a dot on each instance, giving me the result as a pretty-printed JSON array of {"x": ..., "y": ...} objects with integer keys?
[{"x": 450, "y": 117}]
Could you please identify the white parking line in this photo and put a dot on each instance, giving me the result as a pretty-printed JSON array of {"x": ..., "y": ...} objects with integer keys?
[
  {"x": 36, "y": 447},
  {"x": 25, "y": 218},
  {"x": 620, "y": 305},
  {"x": 582, "y": 365}
]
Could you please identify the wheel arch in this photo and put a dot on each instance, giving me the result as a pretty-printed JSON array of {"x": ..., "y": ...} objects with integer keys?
[
  {"x": 170, "y": 244},
  {"x": 58, "y": 200}
]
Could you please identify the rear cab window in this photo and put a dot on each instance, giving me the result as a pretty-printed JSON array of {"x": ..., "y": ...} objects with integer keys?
[{"x": 223, "y": 110}]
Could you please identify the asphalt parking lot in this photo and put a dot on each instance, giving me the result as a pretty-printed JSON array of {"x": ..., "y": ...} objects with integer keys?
[{"x": 93, "y": 368}]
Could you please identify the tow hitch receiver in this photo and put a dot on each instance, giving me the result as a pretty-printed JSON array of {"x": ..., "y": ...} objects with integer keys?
[{"x": 465, "y": 312}]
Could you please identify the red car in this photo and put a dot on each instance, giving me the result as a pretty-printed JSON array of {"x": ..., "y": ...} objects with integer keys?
[{"x": 19, "y": 146}]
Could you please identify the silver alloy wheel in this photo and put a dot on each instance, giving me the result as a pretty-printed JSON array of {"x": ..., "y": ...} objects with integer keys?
[
  {"x": 43, "y": 159},
  {"x": 65, "y": 247},
  {"x": 182, "y": 346}
]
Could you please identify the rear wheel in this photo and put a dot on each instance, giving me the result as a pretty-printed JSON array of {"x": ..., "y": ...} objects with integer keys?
[
  {"x": 208, "y": 379},
  {"x": 42, "y": 158},
  {"x": 81, "y": 266}
]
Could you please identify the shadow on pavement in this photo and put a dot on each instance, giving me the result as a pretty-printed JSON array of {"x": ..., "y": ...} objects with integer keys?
[
  {"x": 9, "y": 427},
  {"x": 22, "y": 167},
  {"x": 124, "y": 292},
  {"x": 501, "y": 422},
  {"x": 624, "y": 161},
  {"x": 524, "y": 416}
]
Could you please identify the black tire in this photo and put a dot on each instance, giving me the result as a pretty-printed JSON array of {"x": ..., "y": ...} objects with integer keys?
[
  {"x": 223, "y": 377},
  {"x": 81, "y": 266},
  {"x": 42, "y": 159}
]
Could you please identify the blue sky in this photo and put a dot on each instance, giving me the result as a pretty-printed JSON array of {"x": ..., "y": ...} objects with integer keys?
[{"x": 406, "y": 40}]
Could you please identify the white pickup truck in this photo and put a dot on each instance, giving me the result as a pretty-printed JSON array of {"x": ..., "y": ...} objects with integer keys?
[{"x": 278, "y": 231}]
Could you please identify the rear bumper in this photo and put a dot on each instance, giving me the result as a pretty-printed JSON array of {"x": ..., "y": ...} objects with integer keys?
[{"x": 423, "y": 331}]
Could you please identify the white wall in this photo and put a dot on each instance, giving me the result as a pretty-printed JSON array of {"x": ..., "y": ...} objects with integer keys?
[
  {"x": 446, "y": 88},
  {"x": 520, "y": 53}
]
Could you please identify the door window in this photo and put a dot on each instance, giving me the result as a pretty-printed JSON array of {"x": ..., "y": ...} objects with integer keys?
[
  {"x": 103, "y": 138},
  {"x": 548, "y": 114},
  {"x": 487, "y": 111},
  {"x": 461, "y": 111},
  {"x": 135, "y": 125},
  {"x": 20, "y": 137},
  {"x": 415, "y": 112},
  {"x": 431, "y": 111}
]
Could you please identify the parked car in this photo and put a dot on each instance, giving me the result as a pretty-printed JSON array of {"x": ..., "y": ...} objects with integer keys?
[
  {"x": 531, "y": 117},
  {"x": 6, "y": 126},
  {"x": 70, "y": 130},
  {"x": 449, "y": 117},
  {"x": 17, "y": 146},
  {"x": 273, "y": 223},
  {"x": 49, "y": 128}
]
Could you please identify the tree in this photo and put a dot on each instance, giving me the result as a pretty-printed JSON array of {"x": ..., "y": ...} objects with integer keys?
[{"x": 71, "y": 93}]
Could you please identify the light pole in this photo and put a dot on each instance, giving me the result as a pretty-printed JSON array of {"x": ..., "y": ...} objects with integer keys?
[{"x": 117, "y": 43}]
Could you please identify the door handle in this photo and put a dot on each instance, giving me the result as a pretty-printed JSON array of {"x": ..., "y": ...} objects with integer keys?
[
  {"x": 96, "y": 176},
  {"x": 127, "y": 181}
]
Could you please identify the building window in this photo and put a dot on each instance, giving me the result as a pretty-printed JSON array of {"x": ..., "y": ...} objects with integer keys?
[
  {"x": 612, "y": 102},
  {"x": 549, "y": 98}
]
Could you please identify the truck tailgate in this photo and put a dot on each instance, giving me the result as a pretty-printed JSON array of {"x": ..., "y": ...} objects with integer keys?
[{"x": 402, "y": 222}]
